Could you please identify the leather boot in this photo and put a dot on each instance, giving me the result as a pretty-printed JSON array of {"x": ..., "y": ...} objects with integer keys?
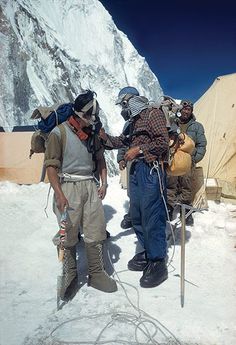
[
  {"x": 154, "y": 274},
  {"x": 189, "y": 221},
  {"x": 138, "y": 262},
  {"x": 126, "y": 222},
  {"x": 69, "y": 282},
  {"x": 170, "y": 211},
  {"x": 98, "y": 277}
]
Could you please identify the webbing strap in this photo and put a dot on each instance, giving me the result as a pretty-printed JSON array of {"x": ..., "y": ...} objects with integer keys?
[
  {"x": 63, "y": 137},
  {"x": 89, "y": 105},
  {"x": 84, "y": 110}
]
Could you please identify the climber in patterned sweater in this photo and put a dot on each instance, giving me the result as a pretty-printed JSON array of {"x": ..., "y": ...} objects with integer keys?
[{"x": 147, "y": 140}]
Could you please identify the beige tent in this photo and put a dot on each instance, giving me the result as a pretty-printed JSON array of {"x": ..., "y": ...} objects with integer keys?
[
  {"x": 216, "y": 110},
  {"x": 15, "y": 165}
]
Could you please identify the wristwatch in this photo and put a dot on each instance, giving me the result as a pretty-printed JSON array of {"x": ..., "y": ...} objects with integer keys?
[{"x": 140, "y": 151}]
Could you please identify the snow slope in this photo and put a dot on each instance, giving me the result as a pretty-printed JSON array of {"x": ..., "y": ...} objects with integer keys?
[{"x": 29, "y": 269}]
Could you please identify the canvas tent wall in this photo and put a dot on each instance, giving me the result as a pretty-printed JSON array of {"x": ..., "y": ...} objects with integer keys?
[
  {"x": 15, "y": 165},
  {"x": 216, "y": 110}
]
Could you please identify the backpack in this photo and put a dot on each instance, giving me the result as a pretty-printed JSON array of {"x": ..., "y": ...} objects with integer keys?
[
  {"x": 170, "y": 109},
  {"x": 180, "y": 150},
  {"x": 49, "y": 117},
  {"x": 53, "y": 116},
  {"x": 181, "y": 145}
]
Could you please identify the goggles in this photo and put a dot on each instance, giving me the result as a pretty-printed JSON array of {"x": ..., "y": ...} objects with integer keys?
[
  {"x": 90, "y": 119},
  {"x": 124, "y": 103},
  {"x": 186, "y": 104},
  {"x": 123, "y": 99}
]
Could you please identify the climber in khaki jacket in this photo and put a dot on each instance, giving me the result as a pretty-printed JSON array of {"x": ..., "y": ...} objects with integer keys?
[
  {"x": 70, "y": 165},
  {"x": 179, "y": 188}
]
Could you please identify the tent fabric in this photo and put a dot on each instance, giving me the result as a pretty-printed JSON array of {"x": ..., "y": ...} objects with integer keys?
[
  {"x": 15, "y": 165},
  {"x": 216, "y": 110}
]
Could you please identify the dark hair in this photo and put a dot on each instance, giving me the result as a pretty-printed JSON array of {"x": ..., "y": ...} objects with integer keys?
[{"x": 84, "y": 98}]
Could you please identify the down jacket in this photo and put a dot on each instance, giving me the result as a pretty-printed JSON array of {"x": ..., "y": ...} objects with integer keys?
[{"x": 196, "y": 131}]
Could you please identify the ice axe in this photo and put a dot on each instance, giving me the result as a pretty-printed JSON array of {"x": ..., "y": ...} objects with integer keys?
[
  {"x": 182, "y": 273},
  {"x": 184, "y": 216},
  {"x": 60, "y": 252}
]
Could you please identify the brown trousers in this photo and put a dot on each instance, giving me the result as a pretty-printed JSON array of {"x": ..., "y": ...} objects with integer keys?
[{"x": 179, "y": 189}]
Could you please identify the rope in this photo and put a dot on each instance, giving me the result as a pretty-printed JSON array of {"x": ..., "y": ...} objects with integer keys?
[
  {"x": 47, "y": 201},
  {"x": 140, "y": 322},
  {"x": 156, "y": 167}
]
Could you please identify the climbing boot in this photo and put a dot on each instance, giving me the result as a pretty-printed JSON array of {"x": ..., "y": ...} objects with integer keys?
[
  {"x": 138, "y": 262},
  {"x": 170, "y": 212},
  {"x": 98, "y": 277},
  {"x": 126, "y": 222},
  {"x": 69, "y": 281},
  {"x": 154, "y": 274},
  {"x": 189, "y": 220}
]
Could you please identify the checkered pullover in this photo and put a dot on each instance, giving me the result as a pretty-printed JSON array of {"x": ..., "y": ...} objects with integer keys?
[{"x": 155, "y": 143}]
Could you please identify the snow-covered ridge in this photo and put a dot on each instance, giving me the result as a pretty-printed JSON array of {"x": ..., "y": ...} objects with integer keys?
[{"x": 53, "y": 49}]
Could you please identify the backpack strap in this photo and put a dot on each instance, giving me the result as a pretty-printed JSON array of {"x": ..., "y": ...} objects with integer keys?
[{"x": 63, "y": 136}]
